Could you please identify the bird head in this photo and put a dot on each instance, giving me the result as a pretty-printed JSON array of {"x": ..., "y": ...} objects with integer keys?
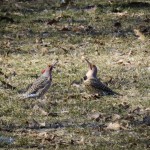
[
  {"x": 48, "y": 71},
  {"x": 92, "y": 72}
]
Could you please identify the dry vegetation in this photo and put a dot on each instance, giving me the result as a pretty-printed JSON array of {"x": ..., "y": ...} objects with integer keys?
[{"x": 114, "y": 36}]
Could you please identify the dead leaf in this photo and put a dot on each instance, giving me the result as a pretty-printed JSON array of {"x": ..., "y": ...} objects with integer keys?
[
  {"x": 39, "y": 41},
  {"x": 129, "y": 117},
  {"x": 94, "y": 116},
  {"x": 99, "y": 42},
  {"x": 130, "y": 53},
  {"x": 137, "y": 110},
  {"x": 116, "y": 117},
  {"x": 42, "y": 124},
  {"x": 34, "y": 61},
  {"x": 120, "y": 61},
  {"x": 79, "y": 28},
  {"x": 42, "y": 135},
  {"x": 33, "y": 124},
  {"x": 123, "y": 62},
  {"x": 121, "y": 14},
  {"x": 139, "y": 34},
  {"x": 7, "y": 44},
  {"x": 41, "y": 110},
  {"x": 82, "y": 140},
  {"x": 66, "y": 28},
  {"x": 124, "y": 105},
  {"x": 114, "y": 126},
  {"x": 44, "y": 50},
  {"x": 147, "y": 109}
]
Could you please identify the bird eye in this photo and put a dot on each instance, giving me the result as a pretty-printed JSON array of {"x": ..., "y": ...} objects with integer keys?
[{"x": 85, "y": 77}]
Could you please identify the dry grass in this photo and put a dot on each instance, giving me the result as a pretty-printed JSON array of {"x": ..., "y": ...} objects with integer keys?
[{"x": 67, "y": 118}]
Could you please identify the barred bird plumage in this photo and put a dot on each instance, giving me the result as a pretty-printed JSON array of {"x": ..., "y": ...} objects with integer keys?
[
  {"x": 41, "y": 85},
  {"x": 93, "y": 84}
]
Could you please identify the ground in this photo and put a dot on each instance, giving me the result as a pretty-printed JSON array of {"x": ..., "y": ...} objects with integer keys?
[{"x": 112, "y": 35}]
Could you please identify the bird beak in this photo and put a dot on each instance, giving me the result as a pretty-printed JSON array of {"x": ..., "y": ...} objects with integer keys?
[
  {"x": 54, "y": 64},
  {"x": 90, "y": 64}
]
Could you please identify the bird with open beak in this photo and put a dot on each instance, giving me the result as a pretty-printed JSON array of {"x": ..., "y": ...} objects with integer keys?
[
  {"x": 42, "y": 83},
  {"x": 93, "y": 84}
]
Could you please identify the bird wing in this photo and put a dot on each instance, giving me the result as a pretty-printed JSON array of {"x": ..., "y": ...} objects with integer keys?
[
  {"x": 37, "y": 85},
  {"x": 99, "y": 85},
  {"x": 39, "y": 93}
]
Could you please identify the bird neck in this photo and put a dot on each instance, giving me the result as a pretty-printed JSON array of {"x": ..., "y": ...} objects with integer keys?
[
  {"x": 91, "y": 74},
  {"x": 47, "y": 74},
  {"x": 92, "y": 77}
]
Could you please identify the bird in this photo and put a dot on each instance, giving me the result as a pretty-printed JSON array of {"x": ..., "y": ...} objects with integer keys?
[
  {"x": 93, "y": 85},
  {"x": 41, "y": 85}
]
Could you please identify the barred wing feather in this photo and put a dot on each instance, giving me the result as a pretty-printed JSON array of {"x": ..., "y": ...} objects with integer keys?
[
  {"x": 37, "y": 85},
  {"x": 102, "y": 87}
]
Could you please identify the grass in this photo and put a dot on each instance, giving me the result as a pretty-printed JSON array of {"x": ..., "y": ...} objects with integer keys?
[{"x": 67, "y": 118}]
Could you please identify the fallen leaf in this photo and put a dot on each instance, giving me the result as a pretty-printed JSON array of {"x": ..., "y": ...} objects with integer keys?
[
  {"x": 114, "y": 126},
  {"x": 121, "y": 14},
  {"x": 139, "y": 34},
  {"x": 94, "y": 116},
  {"x": 123, "y": 62},
  {"x": 44, "y": 50},
  {"x": 147, "y": 109},
  {"x": 66, "y": 28},
  {"x": 124, "y": 105},
  {"x": 34, "y": 61},
  {"x": 39, "y": 41},
  {"x": 116, "y": 117},
  {"x": 42, "y": 124},
  {"x": 138, "y": 111},
  {"x": 43, "y": 135},
  {"x": 33, "y": 124},
  {"x": 82, "y": 140},
  {"x": 41, "y": 110}
]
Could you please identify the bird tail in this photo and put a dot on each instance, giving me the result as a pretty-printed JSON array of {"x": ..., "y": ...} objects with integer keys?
[
  {"x": 25, "y": 96},
  {"x": 112, "y": 93}
]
